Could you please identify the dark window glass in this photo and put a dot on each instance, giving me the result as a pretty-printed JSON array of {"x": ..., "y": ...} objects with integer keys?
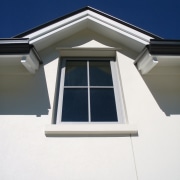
[
  {"x": 100, "y": 73},
  {"x": 75, "y": 105},
  {"x": 76, "y": 73},
  {"x": 103, "y": 108}
]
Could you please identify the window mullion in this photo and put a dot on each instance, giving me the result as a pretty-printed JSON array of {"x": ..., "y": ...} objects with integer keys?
[
  {"x": 89, "y": 107},
  {"x": 79, "y": 87}
]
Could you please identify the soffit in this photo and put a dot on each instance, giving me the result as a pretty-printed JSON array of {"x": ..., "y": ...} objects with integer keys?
[
  {"x": 11, "y": 64},
  {"x": 169, "y": 60},
  {"x": 90, "y": 41}
]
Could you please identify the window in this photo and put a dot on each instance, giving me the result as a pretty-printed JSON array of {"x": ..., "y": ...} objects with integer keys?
[{"x": 89, "y": 91}]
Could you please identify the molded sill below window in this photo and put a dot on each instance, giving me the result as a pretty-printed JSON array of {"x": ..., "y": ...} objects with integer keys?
[{"x": 91, "y": 130}]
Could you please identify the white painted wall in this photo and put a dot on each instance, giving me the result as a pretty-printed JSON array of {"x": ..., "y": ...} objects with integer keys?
[
  {"x": 26, "y": 107},
  {"x": 153, "y": 102}
]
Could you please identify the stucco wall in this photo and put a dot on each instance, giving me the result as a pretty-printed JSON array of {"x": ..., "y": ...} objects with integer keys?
[
  {"x": 26, "y": 153},
  {"x": 153, "y": 102},
  {"x": 26, "y": 107}
]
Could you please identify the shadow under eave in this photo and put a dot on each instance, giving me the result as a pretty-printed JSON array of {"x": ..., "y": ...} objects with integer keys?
[{"x": 24, "y": 94}]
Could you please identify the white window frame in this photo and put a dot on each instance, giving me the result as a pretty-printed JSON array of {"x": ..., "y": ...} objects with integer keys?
[
  {"x": 94, "y": 128},
  {"x": 116, "y": 87}
]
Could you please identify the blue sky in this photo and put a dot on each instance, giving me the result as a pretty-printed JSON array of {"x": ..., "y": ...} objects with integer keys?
[{"x": 160, "y": 17}]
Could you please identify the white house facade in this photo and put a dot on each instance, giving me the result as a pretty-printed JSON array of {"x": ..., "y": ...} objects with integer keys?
[{"x": 88, "y": 96}]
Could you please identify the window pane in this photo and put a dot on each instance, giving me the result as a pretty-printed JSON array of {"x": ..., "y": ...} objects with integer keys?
[
  {"x": 76, "y": 73},
  {"x": 100, "y": 73},
  {"x": 103, "y": 108},
  {"x": 75, "y": 105}
]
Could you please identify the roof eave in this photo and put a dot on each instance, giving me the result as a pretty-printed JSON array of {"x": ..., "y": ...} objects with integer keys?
[
  {"x": 22, "y": 50},
  {"x": 14, "y": 46}
]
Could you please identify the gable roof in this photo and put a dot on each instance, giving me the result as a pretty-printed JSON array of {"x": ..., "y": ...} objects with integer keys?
[
  {"x": 88, "y": 18},
  {"x": 82, "y": 10}
]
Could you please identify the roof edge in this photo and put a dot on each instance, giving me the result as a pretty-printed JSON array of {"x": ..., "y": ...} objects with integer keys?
[
  {"x": 13, "y": 40},
  {"x": 14, "y": 46},
  {"x": 164, "y": 47}
]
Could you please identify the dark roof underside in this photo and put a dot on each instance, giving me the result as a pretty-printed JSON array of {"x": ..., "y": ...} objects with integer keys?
[{"x": 81, "y": 10}]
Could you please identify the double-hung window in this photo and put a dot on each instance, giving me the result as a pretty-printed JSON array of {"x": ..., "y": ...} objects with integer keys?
[{"x": 89, "y": 91}]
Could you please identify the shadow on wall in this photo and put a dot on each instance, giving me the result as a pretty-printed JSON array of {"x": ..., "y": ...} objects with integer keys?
[
  {"x": 24, "y": 94},
  {"x": 166, "y": 91}
]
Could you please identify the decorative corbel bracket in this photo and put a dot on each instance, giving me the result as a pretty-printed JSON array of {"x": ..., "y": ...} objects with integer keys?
[
  {"x": 146, "y": 62},
  {"x": 30, "y": 62}
]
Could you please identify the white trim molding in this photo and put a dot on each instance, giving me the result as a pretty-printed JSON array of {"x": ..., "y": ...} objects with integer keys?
[
  {"x": 94, "y": 17},
  {"x": 146, "y": 62},
  {"x": 30, "y": 62},
  {"x": 90, "y": 129},
  {"x": 88, "y": 19}
]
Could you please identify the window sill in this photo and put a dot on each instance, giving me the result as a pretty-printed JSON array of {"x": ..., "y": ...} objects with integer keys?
[{"x": 91, "y": 130}]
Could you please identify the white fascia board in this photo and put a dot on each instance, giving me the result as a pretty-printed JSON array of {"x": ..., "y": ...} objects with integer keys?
[
  {"x": 115, "y": 26},
  {"x": 49, "y": 33},
  {"x": 120, "y": 31},
  {"x": 146, "y": 62},
  {"x": 30, "y": 62},
  {"x": 57, "y": 26},
  {"x": 123, "y": 28}
]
